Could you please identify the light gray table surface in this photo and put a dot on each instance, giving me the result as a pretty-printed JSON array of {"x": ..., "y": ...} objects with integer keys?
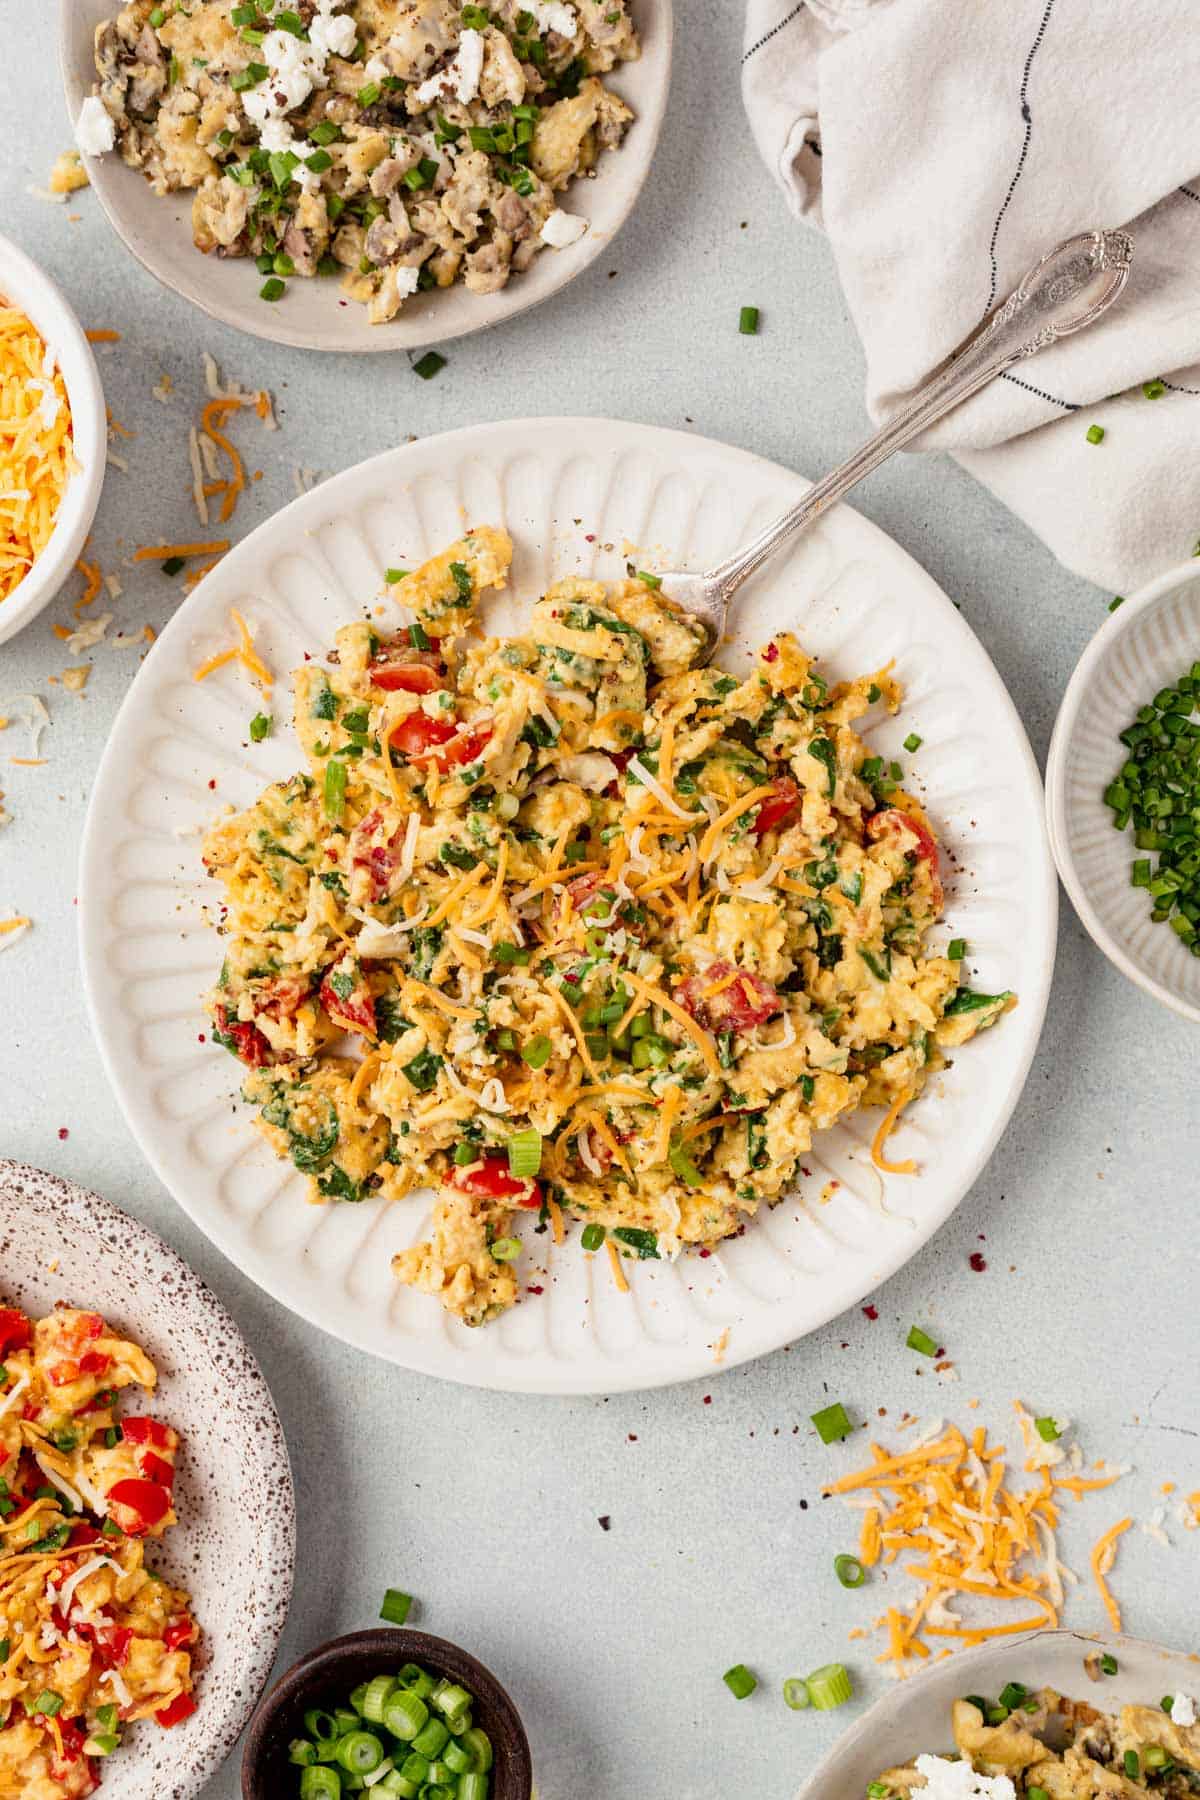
[{"x": 486, "y": 1506}]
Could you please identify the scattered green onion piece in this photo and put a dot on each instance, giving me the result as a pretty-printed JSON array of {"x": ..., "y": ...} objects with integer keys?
[
  {"x": 375, "y": 1697},
  {"x": 1109, "y": 1664},
  {"x": 396, "y": 1606},
  {"x": 739, "y": 1681},
  {"x": 536, "y": 1053},
  {"x": 921, "y": 1340},
  {"x": 832, "y": 1423},
  {"x": 48, "y": 1703},
  {"x": 1154, "y": 390},
  {"x": 274, "y": 289},
  {"x": 681, "y": 1162},
  {"x": 795, "y": 1693},
  {"x": 335, "y": 790},
  {"x": 506, "y": 1249},
  {"x": 1117, "y": 600},
  {"x": 1131, "y": 1760},
  {"x": 260, "y": 727},
  {"x": 956, "y": 949},
  {"x": 748, "y": 321},
  {"x": 524, "y": 1153},
  {"x": 360, "y": 1752},
  {"x": 593, "y": 1236},
  {"x": 1095, "y": 434},
  {"x": 913, "y": 742},
  {"x": 1012, "y": 1695},
  {"x": 849, "y": 1571},
  {"x": 652, "y": 581},
  {"x": 427, "y": 366},
  {"x": 829, "y": 1686},
  {"x": 1047, "y": 1430}
]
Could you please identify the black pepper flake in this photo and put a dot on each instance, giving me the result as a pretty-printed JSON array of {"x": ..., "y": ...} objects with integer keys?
[{"x": 604, "y": 1522}]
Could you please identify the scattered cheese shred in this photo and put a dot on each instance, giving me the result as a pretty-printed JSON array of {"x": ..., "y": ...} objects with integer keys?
[
  {"x": 886, "y": 1127},
  {"x": 1103, "y": 1556},
  {"x": 618, "y": 1273},
  {"x": 37, "y": 456},
  {"x": 161, "y": 552}
]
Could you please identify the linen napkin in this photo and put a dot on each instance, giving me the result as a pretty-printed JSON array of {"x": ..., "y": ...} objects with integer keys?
[{"x": 944, "y": 146}]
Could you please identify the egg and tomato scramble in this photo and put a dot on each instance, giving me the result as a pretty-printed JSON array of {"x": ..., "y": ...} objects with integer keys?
[
  {"x": 90, "y": 1638},
  {"x": 614, "y": 934},
  {"x": 1042, "y": 1746}
]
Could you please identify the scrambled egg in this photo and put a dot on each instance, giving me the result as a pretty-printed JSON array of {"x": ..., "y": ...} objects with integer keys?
[
  {"x": 90, "y": 1638},
  {"x": 401, "y": 144},
  {"x": 1059, "y": 1747},
  {"x": 614, "y": 934}
]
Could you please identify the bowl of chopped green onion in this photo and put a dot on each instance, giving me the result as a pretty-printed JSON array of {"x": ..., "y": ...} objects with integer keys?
[
  {"x": 399, "y": 1714},
  {"x": 1123, "y": 788}
]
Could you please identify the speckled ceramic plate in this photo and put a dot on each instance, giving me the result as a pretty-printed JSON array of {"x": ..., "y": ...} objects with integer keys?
[
  {"x": 914, "y": 1716},
  {"x": 313, "y": 315},
  {"x": 233, "y": 1548},
  {"x": 576, "y": 495}
]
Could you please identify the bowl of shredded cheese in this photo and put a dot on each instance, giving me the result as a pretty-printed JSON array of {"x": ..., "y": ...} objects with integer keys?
[{"x": 52, "y": 438}]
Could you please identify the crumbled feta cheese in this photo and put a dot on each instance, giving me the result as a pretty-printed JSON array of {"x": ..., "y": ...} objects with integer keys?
[
  {"x": 1183, "y": 1710},
  {"x": 554, "y": 15},
  {"x": 946, "y": 1780},
  {"x": 460, "y": 77},
  {"x": 562, "y": 229},
  {"x": 94, "y": 130},
  {"x": 407, "y": 281},
  {"x": 332, "y": 35}
]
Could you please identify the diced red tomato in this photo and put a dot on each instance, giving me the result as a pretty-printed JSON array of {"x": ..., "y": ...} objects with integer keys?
[
  {"x": 742, "y": 1003},
  {"x": 73, "y": 1737},
  {"x": 112, "y": 1644},
  {"x": 16, "y": 1333},
  {"x": 399, "y": 669},
  {"x": 493, "y": 1180},
  {"x": 182, "y": 1707},
  {"x": 139, "y": 1505},
  {"x": 438, "y": 741},
  {"x": 82, "y": 1535},
  {"x": 143, "y": 1430},
  {"x": 179, "y": 1632},
  {"x": 94, "y": 1362},
  {"x": 356, "y": 1012},
  {"x": 155, "y": 1468},
  {"x": 779, "y": 808},
  {"x": 249, "y": 1044},
  {"x": 894, "y": 821},
  {"x": 282, "y": 997}
]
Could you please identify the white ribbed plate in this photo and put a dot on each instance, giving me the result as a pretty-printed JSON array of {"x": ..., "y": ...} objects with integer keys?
[
  {"x": 1146, "y": 645},
  {"x": 854, "y": 597},
  {"x": 234, "y": 1545}
]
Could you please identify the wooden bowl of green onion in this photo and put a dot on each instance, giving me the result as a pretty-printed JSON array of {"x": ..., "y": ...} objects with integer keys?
[{"x": 396, "y": 1714}]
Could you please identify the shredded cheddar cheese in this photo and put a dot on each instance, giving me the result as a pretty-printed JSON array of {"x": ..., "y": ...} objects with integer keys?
[
  {"x": 886, "y": 1126},
  {"x": 618, "y": 1273},
  {"x": 1103, "y": 1556},
  {"x": 37, "y": 457}
]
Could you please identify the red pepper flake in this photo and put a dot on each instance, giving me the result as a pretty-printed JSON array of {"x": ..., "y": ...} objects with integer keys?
[
  {"x": 704, "y": 1253},
  {"x": 212, "y": 784},
  {"x": 534, "y": 1288},
  {"x": 708, "y": 1399},
  {"x": 589, "y": 537},
  {"x": 633, "y": 1437},
  {"x": 63, "y": 1134},
  {"x": 871, "y": 1312},
  {"x": 771, "y": 653},
  {"x": 200, "y": 1038},
  {"x": 977, "y": 1263}
]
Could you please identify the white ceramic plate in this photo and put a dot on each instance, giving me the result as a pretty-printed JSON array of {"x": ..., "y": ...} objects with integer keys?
[
  {"x": 178, "y": 751},
  {"x": 233, "y": 1547},
  {"x": 1146, "y": 645},
  {"x": 158, "y": 229},
  {"x": 24, "y": 285},
  {"x": 914, "y": 1716}
]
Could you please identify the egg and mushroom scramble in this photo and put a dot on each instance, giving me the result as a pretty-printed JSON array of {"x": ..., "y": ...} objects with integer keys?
[
  {"x": 401, "y": 144},
  {"x": 90, "y": 1638},
  {"x": 1042, "y": 1746},
  {"x": 615, "y": 934}
]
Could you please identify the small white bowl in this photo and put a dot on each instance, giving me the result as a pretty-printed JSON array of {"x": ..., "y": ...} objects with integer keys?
[
  {"x": 914, "y": 1716},
  {"x": 23, "y": 284},
  {"x": 1147, "y": 644}
]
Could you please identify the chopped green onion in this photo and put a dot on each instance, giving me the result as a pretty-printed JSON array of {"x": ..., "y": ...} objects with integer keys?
[
  {"x": 1154, "y": 390},
  {"x": 536, "y": 1053},
  {"x": 525, "y": 1153},
  {"x": 849, "y": 1571},
  {"x": 274, "y": 289},
  {"x": 829, "y": 1686},
  {"x": 506, "y": 1249},
  {"x": 1131, "y": 1760},
  {"x": 406, "y": 1714},
  {"x": 682, "y": 1163},
  {"x": 1012, "y": 1695},
  {"x": 368, "y": 95},
  {"x": 172, "y": 565},
  {"x": 48, "y": 1703},
  {"x": 396, "y": 1605},
  {"x": 1117, "y": 600},
  {"x": 1109, "y": 1664},
  {"x": 320, "y": 1783},
  {"x": 921, "y": 1340},
  {"x": 427, "y": 366},
  {"x": 593, "y": 1236},
  {"x": 748, "y": 321},
  {"x": 832, "y": 1423},
  {"x": 1095, "y": 434},
  {"x": 652, "y": 581},
  {"x": 795, "y": 1693},
  {"x": 956, "y": 949},
  {"x": 913, "y": 742},
  {"x": 1047, "y": 1430},
  {"x": 335, "y": 790},
  {"x": 260, "y": 727},
  {"x": 359, "y": 1752},
  {"x": 739, "y": 1681}
]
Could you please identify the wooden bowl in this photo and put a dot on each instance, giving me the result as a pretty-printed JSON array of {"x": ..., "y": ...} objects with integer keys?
[{"x": 327, "y": 1676}]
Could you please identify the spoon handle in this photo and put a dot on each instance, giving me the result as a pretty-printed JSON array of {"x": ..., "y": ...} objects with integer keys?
[{"x": 1069, "y": 288}]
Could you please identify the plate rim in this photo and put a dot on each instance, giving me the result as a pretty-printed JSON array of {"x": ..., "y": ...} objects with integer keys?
[
  {"x": 547, "y": 1379},
  {"x": 71, "y": 1199},
  {"x": 274, "y": 328}
]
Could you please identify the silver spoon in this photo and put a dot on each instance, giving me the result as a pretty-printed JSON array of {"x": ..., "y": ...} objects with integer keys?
[{"x": 1071, "y": 286}]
